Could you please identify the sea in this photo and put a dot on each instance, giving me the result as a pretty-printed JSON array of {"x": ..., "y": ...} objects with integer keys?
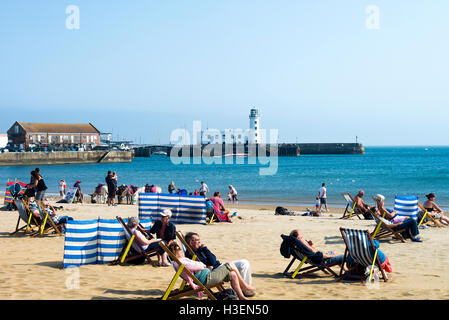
[{"x": 390, "y": 171}]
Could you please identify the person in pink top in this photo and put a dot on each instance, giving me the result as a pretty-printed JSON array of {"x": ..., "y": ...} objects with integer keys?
[
  {"x": 218, "y": 203},
  {"x": 225, "y": 272}
]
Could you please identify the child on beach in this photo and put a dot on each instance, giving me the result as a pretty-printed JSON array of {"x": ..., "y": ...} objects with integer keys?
[{"x": 317, "y": 205}]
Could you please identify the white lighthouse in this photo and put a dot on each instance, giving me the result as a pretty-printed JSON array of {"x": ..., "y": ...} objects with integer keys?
[{"x": 254, "y": 126}]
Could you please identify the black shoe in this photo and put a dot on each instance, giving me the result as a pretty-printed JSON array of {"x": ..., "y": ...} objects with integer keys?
[{"x": 416, "y": 239}]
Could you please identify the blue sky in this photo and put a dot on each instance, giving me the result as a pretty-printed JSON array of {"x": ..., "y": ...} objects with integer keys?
[{"x": 316, "y": 72}]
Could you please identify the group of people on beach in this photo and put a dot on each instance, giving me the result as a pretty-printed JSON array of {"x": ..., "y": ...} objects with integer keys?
[{"x": 207, "y": 268}]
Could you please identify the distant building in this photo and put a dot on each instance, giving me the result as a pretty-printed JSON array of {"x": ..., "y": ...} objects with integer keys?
[
  {"x": 254, "y": 126},
  {"x": 231, "y": 136},
  {"x": 3, "y": 140},
  {"x": 26, "y": 134}
]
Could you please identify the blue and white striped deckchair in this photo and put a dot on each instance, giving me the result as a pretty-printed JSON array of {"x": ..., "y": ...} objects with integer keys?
[
  {"x": 361, "y": 248},
  {"x": 81, "y": 242},
  {"x": 185, "y": 209},
  {"x": 406, "y": 206}
]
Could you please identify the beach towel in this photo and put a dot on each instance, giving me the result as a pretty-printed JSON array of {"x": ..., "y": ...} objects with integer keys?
[{"x": 14, "y": 189}]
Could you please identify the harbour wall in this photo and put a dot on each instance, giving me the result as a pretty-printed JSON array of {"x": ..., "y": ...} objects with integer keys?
[
  {"x": 64, "y": 157},
  {"x": 285, "y": 149}
]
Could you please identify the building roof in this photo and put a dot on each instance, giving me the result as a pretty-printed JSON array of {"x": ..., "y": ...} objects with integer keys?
[{"x": 58, "y": 127}]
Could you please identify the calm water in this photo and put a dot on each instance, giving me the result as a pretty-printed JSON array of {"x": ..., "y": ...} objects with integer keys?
[{"x": 387, "y": 170}]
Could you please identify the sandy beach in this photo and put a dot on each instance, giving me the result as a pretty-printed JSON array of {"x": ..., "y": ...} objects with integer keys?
[{"x": 31, "y": 268}]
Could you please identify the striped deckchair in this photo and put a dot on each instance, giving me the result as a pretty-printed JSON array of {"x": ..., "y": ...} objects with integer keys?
[
  {"x": 312, "y": 267},
  {"x": 81, "y": 242},
  {"x": 185, "y": 209},
  {"x": 186, "y": 290},
  {"x": 44, "y": 226},
  {"x": 360, "y": 246},
  {"x": 26, "y": 216},
  {"x": 351, "y": 207},
  {"x": 128, "y": 239}
]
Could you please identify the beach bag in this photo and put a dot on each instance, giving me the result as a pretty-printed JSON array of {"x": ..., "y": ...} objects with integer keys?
[
  {"x": 281, "y": 211},
  {"x": 226, "y": 294}
]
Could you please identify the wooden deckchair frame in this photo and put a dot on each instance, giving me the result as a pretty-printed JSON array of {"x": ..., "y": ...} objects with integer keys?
[
  {"x": 382, "y": 230},
  {"x": 44, "y": 217},
  {"x": 123, "y": 257},
  {"x": 350, "y": 211},
  {"x": 375, "y": 260},
  {"x": 31, "y": 218},
  {"x": 187, "y": 290},
  {"x": 427, "y": 214},
  {"x": 314, "y": 267}
]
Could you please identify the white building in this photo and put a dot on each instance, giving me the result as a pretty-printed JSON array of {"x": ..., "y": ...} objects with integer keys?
[
  {"x": 3, "y": 140},
  {"x": 231, "y": 136},
  {"x": 254, "y": 126}
]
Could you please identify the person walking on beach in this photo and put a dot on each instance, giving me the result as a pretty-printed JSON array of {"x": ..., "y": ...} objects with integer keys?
[
  {"x": 233, "y": 194},
  {"x": 62, "y": 187},
  {"x": 112, "y": 188},
  {"x": 204, "y": 188},
  {"x": 322, "y": 194}
]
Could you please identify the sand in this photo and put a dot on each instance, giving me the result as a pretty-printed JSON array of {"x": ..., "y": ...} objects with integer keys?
[{"x": 31, "y": 268}]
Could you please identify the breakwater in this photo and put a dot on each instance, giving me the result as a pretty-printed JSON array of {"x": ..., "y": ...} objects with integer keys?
[
  {"x": 285, "y": 149},
  {"x": 64, "y": 157}
]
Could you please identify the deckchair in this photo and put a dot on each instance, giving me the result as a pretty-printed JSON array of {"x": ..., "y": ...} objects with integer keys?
[
  {"x": 351, "y": 207},
  {"x": 216, "y": 216},
  {"x": 360, "y": 246},
  {"x": 26, "y": 216},
  {"x": 43, "y": 228},
  {"x": 383, "y": 229},
  {"x": 137, "y": 248},
  {"x": 186, "y": 290},
  {"x": 436, "y": 221},
  {"x": 297, "y": 254}
]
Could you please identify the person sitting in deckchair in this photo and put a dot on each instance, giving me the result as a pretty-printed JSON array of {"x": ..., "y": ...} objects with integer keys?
[
  {"x": 210, "y": 260},
  {"x": 218, "y": 203},
  {"x": 226, "y": 272},
  {"x": 147, "y": 244},
  {"x": 56, "y": 219},
  {"x": 329, "y": 258},
  {"x": 398, "y": 222},
  {"x": 362, "y": 206},
  {"x": 434, "y": 210}
]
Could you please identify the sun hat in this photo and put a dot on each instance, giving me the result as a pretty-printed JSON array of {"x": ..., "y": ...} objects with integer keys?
[
  {"x": 379, "y": 197},
  {"x": 166, "y": 213}
]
